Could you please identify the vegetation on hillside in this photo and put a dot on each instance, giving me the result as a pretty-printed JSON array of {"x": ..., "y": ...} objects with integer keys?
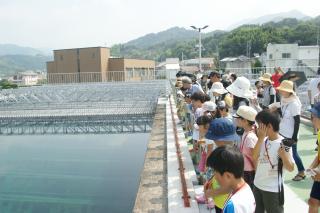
[{"x": 233, "y": 43}]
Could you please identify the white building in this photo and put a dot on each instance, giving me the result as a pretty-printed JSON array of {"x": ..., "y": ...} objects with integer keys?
[
  {"x": 239, "y": 65},
  {"x": 171, "y": 66},
  {"x": 293, "y": 57},
  {"x": 27, "y": 78},
  {"x": 206, "y": 63}
]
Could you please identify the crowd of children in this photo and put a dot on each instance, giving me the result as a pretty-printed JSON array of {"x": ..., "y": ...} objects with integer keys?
[{"x": 242, "y": 139}]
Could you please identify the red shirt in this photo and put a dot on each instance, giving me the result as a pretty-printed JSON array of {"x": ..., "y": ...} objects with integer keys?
[{"x": 276, "y": 79}]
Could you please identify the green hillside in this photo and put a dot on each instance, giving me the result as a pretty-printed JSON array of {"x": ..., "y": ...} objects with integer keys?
[
  {"x": 12, "y": 64},
  {"x": 232, "y": 43}
]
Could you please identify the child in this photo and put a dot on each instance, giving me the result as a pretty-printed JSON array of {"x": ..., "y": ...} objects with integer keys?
[
  {"x": 209, "y": 109},
  {"x": 314, "y": 201},
  {"x": 222, "y": 132},
  {"x": 245, "y": 118},
  {"x": 223, "y": 110},
  {"x": 266, "y": 156},
  {"x": 228, "y": 165},
  {"x": 197, "y": 100}
]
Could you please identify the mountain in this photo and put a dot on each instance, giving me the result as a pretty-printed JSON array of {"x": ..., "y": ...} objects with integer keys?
[
  {"x": 171, "y": 35},
  {"x": 12, "y": 64},
  {"x": 12, "y": 49},
  {"x": 222, "y": 43},
  {"x": 272, "y": 18}
]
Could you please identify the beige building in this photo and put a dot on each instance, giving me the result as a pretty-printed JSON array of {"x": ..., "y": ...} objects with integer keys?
[{"x": 94, "y": 64}]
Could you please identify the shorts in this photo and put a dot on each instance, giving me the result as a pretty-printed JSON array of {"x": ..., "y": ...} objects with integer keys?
[{"x": 315, "y": 191}]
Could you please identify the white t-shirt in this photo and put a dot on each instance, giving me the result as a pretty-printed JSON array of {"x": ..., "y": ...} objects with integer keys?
[
  {"x": 241, "y": 202},
  {"x": 199, "y": 112},
  {"x": 287, "y": 121},
  {"x": 266, "y": 177},
  {"x": 313, "y": 87}
]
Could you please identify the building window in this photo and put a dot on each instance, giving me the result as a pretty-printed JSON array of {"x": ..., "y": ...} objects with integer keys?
[
  {"x": 61, "y": 57},
  {"x": 286, "y": 55},
  {"x": 93, "y": 55},
  {"x": 270, "y": 56}
]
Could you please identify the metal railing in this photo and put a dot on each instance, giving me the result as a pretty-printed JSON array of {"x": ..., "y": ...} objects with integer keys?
[{"x": 109, "y": 76}]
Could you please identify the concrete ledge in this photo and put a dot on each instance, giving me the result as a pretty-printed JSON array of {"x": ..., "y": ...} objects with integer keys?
[
  {"x": 175, "y": 201},
  {"x": 152, "y": 192}
]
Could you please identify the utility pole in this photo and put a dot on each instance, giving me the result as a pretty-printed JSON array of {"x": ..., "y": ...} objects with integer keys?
[{"x": 200, "y": 45}]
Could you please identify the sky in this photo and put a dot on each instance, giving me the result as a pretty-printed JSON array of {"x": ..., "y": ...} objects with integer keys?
[{"x": 56, "y": 24}]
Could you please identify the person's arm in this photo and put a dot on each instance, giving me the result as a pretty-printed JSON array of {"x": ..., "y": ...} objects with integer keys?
[
  {"x": 286, "y": 158},
  {"x": 261, "y": 133},
  {"x": 315, "y": 163},
  {"x": 209, "y": 149},
  {"x": 309, "y": 95},
  {"x": 296, "y": 127},
  {"x": 271, "y": 101}
]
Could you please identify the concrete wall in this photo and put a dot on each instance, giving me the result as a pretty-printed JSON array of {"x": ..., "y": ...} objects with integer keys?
[
  {"x": 66, "y": 61},
  {"x": 276, "y": 50},
  {"x": 94, "y": 64}
]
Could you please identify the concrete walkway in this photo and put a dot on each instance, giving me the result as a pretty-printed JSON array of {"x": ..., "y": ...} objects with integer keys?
[{"x": 296, "y": 193}]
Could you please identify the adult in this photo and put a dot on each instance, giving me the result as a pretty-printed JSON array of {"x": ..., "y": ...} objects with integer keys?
[
  {"x": 189, "y": 87},
  {"x": 214, "y": 77},
  {"x": 290, "y": 121},
  {"x": 240, "y": 89},
  {"x": 217, "y": 92},
  {"x": 225, "y": 80},
  {"x": 204, "y": 82},
  {"x": 269, "y": 93},
  {"x": 312, "y": 91},
  {"x": 276, "y": 77}
]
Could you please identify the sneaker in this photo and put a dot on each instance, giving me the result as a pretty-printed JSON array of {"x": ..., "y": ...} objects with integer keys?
[{"x": 201, "y": 199}]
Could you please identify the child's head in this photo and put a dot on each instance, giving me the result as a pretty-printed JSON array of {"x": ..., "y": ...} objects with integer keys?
[
  {"x": 198, "y": 99},
  {"x": 270, "y": 119},
  {"x": 228, "y": 165},
  {"x": 316, "y": 115},
  {"x": 222, "y": 131},
  {"x": 257, "y": 84},
  {"x": 245, "y": 116},
  {"x": 209, "y": 109},
  {"x": 203, "y": 123},
  {"x": 222, "y": 109}
]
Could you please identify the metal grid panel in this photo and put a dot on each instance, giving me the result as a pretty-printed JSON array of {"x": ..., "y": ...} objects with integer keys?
[{"x": 81, "y": 108}]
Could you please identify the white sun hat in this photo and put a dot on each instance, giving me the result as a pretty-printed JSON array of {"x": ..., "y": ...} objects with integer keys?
[
  {"x": 246, "y": 112},
  {"x": 240, "y": 88},
  {"x": 218, "y": 88},
  {"x": 209, "y": 106}
]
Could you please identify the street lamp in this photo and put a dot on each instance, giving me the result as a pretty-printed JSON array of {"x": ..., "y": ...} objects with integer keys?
[{"x": 200, "y": 46}]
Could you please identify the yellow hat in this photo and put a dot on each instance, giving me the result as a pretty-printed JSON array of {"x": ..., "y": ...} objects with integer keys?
[
  {"x": 266, "y": 77},
  {"x": 286, "y": 86}
]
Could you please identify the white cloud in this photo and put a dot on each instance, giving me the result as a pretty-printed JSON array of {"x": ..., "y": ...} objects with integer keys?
[{"x": 75, "y": 23}]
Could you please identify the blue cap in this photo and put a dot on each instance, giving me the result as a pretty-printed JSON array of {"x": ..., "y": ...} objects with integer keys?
[
  {"x": 222, "y": 129},
  {"x": 315, "y": 110}
]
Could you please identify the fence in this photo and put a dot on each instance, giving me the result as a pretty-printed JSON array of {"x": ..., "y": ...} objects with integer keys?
[{"x": 110, "y": 76}]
